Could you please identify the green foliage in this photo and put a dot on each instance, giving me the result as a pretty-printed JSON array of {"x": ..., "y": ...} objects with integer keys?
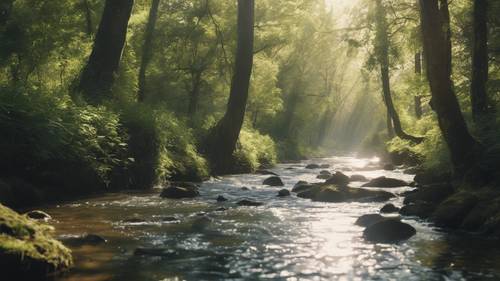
[
  {"x": 50, "y": 131},
  {"x": 254, "y": 150},
  {"x": 162, "y": 147}
]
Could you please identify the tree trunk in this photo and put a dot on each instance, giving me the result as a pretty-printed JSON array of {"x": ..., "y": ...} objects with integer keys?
[
  {"x": 195, "y": 93},
  {"x": 225, "y": 134},
  {"x": 99, "y": 74},
  {"x": 437, "y": 49},
  {"x": 390, "y": 127},
  {"x": 479, "y": 98},
  {"x": 88, "y": 17},
  {"x": 147, "y": 49},
  {"x": 418, "y": 72},
  {"x": 382, "y": 50}
]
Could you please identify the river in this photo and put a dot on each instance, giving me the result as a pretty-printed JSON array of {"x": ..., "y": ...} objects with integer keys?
[{"x": 286, "y": 239}]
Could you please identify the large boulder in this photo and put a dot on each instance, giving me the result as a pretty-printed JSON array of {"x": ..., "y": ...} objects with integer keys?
[
  {"x": 388, "y": 231},
  {"x": 434, "y": 193},
  {"x": 481, "y": 214},
  {"x": 28, "y": 250},
  {"x": 336, "y": 194},
  {"x": 385, "y": 182},
  {"x": 338, "y": 178},
  {"x": 323, "y": 177},
  {"x": 178, "y": 192},
  {"x": 273, "y": 181},
  {"x": 452, "y": 212},
  {"x": 389, "y": 167},
  {"x": 367, "y": 220}
]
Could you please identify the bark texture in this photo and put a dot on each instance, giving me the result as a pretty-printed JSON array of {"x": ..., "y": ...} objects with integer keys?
[
  {"x": 98, "y": 75},
  {"x": 479, "y": 98},
  {"x": 147, "y": 49},
  {"x": 222, "y": 142},
  {"x": 437, "y": 49}
]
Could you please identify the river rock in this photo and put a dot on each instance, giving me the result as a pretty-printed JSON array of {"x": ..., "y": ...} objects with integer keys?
[
  {"x": 323, "y": 177},
  {"x": 284, "y": 193},
  {"x": 339, "y": 179},
  {"x": 301, "y": 186},
  {"x": 389, "y": 208},
  {"x": 324, "y": 166},
  {"x": 244, "y": 188},
  {"x": 434, "y": 193},
  {"x": 266, "y": 172},
  {"x": 359, "y": 178},
  {"x": 177, "y": 192},
  {"x": 221, "y": 198},
  {"x": 421, "y": 210},
  {"x": 367, "y": 220},
  {"x": 201, "y": 223},
  {"x": 249, "y": 203},
  {"x": 336, "y": 194},
  {"x": 388, "y": 231},
  {"x": 38, "y": 215},
  {"x": 452, "y": 212},
  {"x": 313, "y": 166},
  {"x": 273, "y": 181},
  {"x": 325, "y": 172},
  {"x": 385, "y": 182},
  {"x": 481, "y": 215}
]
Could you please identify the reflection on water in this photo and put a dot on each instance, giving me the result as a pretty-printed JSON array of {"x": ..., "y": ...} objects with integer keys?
[{"x": 287, "y": 239}]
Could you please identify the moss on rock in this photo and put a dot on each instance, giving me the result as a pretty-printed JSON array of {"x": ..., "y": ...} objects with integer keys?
[{"x": 27, "y": 248}]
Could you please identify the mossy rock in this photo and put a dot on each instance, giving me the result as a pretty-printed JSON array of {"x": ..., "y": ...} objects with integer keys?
[
  {"x": 435, "y": 193},
  {"x": 452, "y": 212},
  {"x": 27, "y": 248}
]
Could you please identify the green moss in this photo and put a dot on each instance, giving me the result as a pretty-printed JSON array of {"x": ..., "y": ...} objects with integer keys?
[
  {"x": 27, "y": 247},
  {"x": 254, "y": 150}
]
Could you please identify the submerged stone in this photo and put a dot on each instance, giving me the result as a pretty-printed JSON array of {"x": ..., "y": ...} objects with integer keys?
[
  {"x": 367, "y": 220},
  {"x": 221, "y": 198},
  {"x": 266, "y": 172},
  {"x": 249, "y": 203},
  {"x": 313, "y": 166}
]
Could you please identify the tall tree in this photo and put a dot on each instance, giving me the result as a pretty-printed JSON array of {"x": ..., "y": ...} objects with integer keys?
[
  {"x": 418, "y": 97},
  {"x": 222, "y": 142},
  {"x": 147, "y": 49},
  {"x": 382, "y": 54},
  {"x": 99, "y": 73},
  {"x": 479, "y": 98},
  {"x": 436, "y": 32}
]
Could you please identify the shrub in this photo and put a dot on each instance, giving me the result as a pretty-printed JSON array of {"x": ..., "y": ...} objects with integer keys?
[
  {"x": 50, "y": 141},
  {"x": 162, "y": 147},
  {"x": 254, "y": 150}
]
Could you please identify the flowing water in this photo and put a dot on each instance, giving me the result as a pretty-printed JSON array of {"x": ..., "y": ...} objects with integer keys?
[{"x": 286, "y": 239}]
